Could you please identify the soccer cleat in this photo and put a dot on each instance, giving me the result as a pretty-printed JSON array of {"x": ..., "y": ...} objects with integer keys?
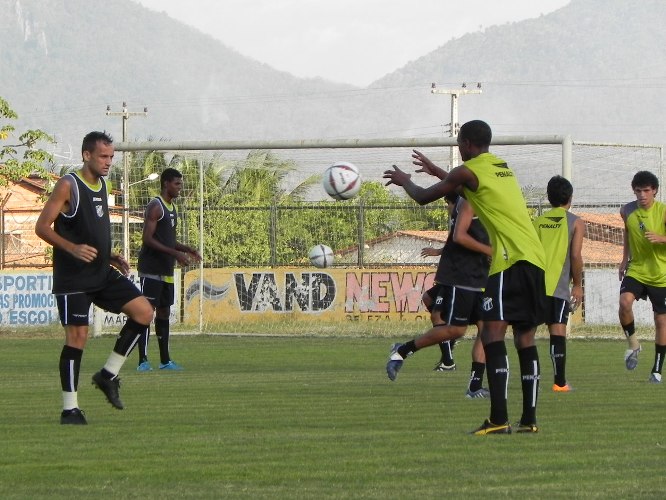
[
  {"x": 562, "y": 388},
  {"x": 441, "y": 367},
  {"x": 489, "y": 428},
  {"x": 394, "y": 363},
  {"x": 73, "y": 417},
  {"x": 171, "y": 365},
  {"x": 521, "y": 428},
  {"x": 144, "y": 366},
  {"x": 631, "y": 358},
  {"x": 110, "y": 389},
  {"x": 480, "y": 394},
  {"x": 655, "y": 378}
]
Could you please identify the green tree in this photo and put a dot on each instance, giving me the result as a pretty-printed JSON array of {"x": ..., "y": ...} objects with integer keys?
[
  {"x": 238, "y": 196},
  {"x": 341, "y": 225},
  {"x": 252, "y": 219},
  {"x": 259, "y": 179},
  {"x": 20, "y": 157}
]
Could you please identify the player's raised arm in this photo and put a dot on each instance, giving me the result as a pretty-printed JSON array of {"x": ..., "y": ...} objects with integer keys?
[
  {"x": 427, "y": 166},
  {"x": 458, "y": 178}
]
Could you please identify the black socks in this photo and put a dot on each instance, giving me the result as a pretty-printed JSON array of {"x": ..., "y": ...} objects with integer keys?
[
  {"x": 558, "y": 355},
  {"x": 70, "y": 366}
]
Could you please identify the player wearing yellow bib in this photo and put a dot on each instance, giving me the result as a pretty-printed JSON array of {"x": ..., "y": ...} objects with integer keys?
[
  {"x": 561, "y": 234},
  {"x": 515, "y": 291},
  {"x": 643, "y": 267}
]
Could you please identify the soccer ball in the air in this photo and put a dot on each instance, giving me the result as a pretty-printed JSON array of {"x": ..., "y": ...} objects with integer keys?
[
  {"x": 321, "y": 256},
  {"x": 342, "y": 180}
]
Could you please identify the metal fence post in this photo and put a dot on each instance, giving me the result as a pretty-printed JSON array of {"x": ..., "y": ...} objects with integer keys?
[
  {"x": 2, "y": 235},
  {"x": 272, "y": 237},
  {"x": 361, "y": 233}
]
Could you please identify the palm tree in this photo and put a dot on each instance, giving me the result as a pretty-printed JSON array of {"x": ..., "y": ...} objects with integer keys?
[{"x": 260, "y": 177}]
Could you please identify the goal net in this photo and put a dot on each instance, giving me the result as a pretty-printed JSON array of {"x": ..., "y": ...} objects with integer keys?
[{"x": 255, "y": 209}]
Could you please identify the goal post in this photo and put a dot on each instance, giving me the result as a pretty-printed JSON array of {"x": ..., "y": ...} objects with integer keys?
[{"x": 264, "y": 283}]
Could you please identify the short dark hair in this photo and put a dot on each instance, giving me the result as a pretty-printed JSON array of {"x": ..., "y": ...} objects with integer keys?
[
  {"x": 92, "y": 138},
  {"x": 169, "y": 174},
  {"x": 477, "y": 132},
  {"x": 645, "y": 179},
  {"x": 559, "y": 191}
]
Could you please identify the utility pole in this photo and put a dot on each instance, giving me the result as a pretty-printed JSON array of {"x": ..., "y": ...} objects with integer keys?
[
  {"x": 3, "y": 202},
  {"x": 124, "y": 186},
  {"x": 455, "y": 126}
]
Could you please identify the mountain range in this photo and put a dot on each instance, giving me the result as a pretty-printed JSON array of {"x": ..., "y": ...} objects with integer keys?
[{"x": 595, "y": 69}]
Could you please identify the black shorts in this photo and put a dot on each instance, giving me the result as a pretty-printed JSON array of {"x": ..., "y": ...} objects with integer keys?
[
  {"x": 557, "y": 311},
  {"x": 432, "y": 293},
  {"x": 656, "y": 294},
  {"x": 74, "y": 307},
  {"x": 516, "y": 295},
  {"x": 159, "y": 293},
  {"x": 457, "y": 306}
]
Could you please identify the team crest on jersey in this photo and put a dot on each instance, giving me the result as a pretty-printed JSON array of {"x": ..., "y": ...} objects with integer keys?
[
  {"x": 100, "y": 210},
  {"x": 487, "y": 303}
]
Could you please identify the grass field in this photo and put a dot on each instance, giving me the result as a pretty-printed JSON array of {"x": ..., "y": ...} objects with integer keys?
[{"x": 275, "y": 417}]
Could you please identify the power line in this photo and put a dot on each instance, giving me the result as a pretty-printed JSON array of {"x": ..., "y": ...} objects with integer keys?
[
  {"x": 455, "y": 126},
  {"x": 125, "y": 114}
]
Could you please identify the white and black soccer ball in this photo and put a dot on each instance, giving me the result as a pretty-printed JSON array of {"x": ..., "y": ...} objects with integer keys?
[
  {"x": 321, "y": 256},
  {"x": 342, "y": 180}
]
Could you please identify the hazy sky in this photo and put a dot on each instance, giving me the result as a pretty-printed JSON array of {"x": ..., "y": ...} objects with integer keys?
[{"x": 349, "y": 41}]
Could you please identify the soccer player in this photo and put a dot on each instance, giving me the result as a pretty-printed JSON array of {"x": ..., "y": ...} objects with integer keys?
[
  {"x": 515, "y": 290},
  {"x": 561, "y": 234},
  {"x": 643, "y": 267},
  {"x": 75, "y": 221},
  {"x": 475, "y": 389},
  {"x": 157, "y": 258},
  {"x": 456, "y": 297}
]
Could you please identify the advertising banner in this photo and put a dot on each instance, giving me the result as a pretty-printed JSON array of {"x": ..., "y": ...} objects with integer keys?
[
  {"x": 26, "y": 300},
  {"x": 307, "y": 294}
]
